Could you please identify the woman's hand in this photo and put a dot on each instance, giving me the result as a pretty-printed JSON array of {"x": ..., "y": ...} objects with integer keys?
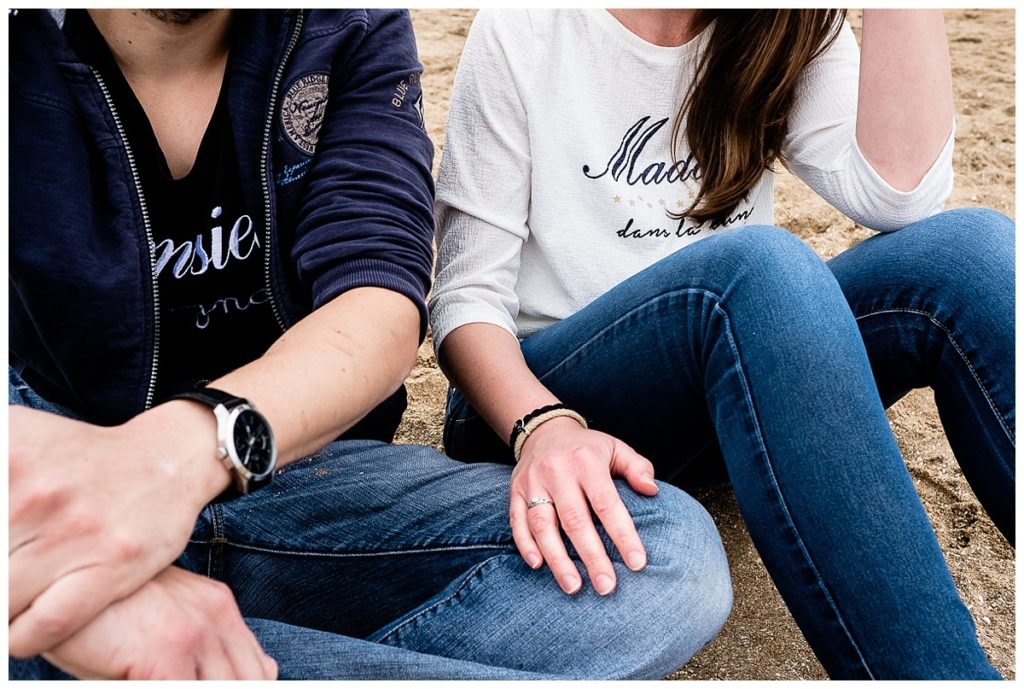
[
  {"x": 560, "y": 461},
  {"x": 573, "y": 468}
]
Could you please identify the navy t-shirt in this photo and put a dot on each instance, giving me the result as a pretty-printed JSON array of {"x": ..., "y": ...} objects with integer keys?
[{"x": 210, "y": 247}]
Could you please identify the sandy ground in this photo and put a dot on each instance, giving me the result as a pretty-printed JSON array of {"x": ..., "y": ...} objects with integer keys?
[{"x": 760, "y": 640}]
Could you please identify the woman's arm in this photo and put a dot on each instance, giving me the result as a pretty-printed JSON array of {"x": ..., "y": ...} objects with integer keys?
[
  {"x": 485, "y": 362},
  {"x": 560, "y": 460},
  {"x": 482, "y": 209},
  {"x": 828, "y": 128},
  {"x": 905, "y": 102},
  {"x": 483, "y": 186}
]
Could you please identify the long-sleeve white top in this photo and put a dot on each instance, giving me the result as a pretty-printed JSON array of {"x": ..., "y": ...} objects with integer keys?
[{"x": 557, "y": 175}]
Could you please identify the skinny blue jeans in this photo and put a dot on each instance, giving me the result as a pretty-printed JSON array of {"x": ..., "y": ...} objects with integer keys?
[
  {"x": 746, "y": 348},
  {"x": 377, "y": 561}
]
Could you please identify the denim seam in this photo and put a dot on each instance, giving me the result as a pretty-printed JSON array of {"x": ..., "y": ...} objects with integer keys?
[
  {"x": 215, "y": 563},
  {"x": 381, "y": 553},
  {"x": 596, "y": 336},
  {"x": 475, "y": 573},
  {"x": 974, "y": 374},
  {"x": 778, "y": 491}
]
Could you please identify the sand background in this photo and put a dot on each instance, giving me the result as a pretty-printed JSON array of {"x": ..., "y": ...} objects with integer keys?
[{"x": 760, "y": 640}]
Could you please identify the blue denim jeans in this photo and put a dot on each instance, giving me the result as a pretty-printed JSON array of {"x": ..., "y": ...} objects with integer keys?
[
  {"x": 377, "y": 561},
  {"x": 745, "y": 354}
]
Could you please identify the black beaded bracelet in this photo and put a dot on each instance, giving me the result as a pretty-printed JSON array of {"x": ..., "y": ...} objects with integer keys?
[{"x": 519, "y": 426}]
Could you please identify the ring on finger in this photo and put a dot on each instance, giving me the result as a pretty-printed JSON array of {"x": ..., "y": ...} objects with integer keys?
[{"x": 538, "y": 500}]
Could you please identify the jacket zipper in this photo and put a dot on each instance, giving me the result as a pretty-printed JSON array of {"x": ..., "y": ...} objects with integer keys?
[
  {"x": 265, "y": 169},
  {"x": 150, "y": 243}
]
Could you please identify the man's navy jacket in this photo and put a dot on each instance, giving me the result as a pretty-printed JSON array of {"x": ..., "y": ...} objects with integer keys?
[{"x": 349, "y": 205}]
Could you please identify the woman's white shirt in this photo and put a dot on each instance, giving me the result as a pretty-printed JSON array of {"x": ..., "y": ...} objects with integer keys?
[{"x": 557, "y": 174}]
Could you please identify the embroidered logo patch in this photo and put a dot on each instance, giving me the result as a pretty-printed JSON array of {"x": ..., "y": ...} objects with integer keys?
[{"x": 302, "y": 110}]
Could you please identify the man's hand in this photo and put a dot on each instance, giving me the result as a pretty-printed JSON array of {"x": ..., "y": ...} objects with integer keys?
[
  {"x": 97, "y": 512},
  {"x": 177, "y": 626}
]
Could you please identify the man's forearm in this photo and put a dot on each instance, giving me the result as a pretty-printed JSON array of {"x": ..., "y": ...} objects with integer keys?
[
  {"x": 140, "y": 485},
  {"x": 319, "y": 379}
]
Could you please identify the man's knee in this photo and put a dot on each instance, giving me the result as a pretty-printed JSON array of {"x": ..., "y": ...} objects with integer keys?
[
  {"x": 658, "y": 618},
  {"x": 687, "y": 578},
  {"x": 685, "y": 549}
]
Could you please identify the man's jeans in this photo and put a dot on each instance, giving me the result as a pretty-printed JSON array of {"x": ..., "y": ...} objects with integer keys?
[
  {"x": 743, "y": 346},
  {"x": 376, "y": 561}
]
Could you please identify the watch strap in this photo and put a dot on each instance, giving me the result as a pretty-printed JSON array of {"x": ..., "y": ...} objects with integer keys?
[{"x": 211, "y": 397}]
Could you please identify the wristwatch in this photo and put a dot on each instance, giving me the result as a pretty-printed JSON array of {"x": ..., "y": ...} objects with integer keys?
[{"x": 245, "y": 442}]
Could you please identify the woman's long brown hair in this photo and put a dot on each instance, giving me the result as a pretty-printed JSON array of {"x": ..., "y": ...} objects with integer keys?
[{"x": 736, "y": 112}]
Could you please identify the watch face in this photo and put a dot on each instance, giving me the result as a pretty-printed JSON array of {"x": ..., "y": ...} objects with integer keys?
[{"x": 254, "y": 443}]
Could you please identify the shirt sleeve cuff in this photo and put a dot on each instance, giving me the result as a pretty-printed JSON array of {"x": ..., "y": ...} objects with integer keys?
[
  {"x": 891, "y": 208},
  {"x": 444, "y": 320}
]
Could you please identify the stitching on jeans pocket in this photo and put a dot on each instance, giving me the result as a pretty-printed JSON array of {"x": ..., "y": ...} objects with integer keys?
[
  {"x": 475, "y": 575},
  {"x": 451, "y": 433}
]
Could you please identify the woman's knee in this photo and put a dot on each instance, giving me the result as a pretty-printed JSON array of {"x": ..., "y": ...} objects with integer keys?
[
  {"x": 959, "y": 238},
  {"x": 764, "y": 244},
  {"x": 767, "y": 259},
  {"x": 959, "y": 258},
  {"x": 960, "y": 233},
  {"x": 985, "y": 222}
]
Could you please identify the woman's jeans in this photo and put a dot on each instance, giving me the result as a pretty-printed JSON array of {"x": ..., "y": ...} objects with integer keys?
[
  {"x": 376, "y": 561},
  {"x": 747, "y": 347}
]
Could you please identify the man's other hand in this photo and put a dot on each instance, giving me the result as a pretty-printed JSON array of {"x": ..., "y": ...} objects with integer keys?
[
  {"x": 96, "y": 512},
  {"x": 177, "y": 626}
]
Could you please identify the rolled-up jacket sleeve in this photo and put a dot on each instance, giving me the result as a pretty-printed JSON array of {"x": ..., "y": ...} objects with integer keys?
[{"x": 367, "y": 216}]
